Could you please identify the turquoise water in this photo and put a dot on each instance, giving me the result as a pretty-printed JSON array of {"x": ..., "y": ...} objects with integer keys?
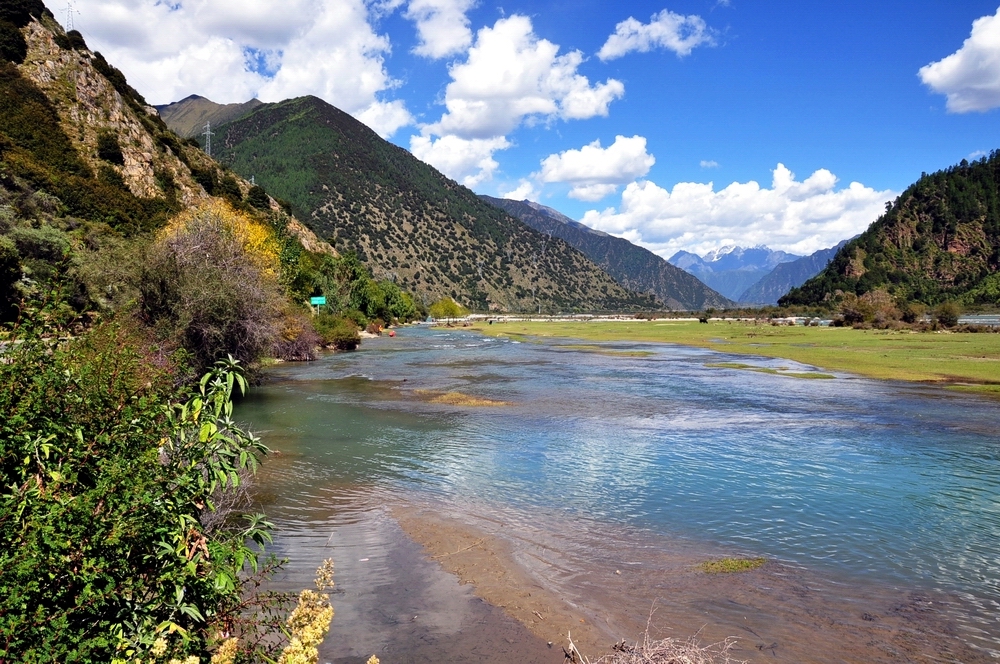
[{"x": 869, "y": 482}]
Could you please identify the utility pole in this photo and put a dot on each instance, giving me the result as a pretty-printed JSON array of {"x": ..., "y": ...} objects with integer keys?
[{"x": 208, "y": 134}]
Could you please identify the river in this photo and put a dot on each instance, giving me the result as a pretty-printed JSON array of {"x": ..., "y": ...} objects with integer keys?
[{"x": 877, "y": 504}]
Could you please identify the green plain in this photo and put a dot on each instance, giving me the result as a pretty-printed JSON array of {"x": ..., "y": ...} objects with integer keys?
[{"x": 970, "y": 362}]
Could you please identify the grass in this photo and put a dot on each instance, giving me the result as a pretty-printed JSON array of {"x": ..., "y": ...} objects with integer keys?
[
  {"x": 458, "y": 399},
  {"x": 971, "y": 361},
  {"x": 731, "y": 565}
]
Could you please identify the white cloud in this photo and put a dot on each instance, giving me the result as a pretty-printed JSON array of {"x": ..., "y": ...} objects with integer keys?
[
  {"x": 525, "y": 191},
  {"x": 512, "y": 75},
  {"x": 385, "y": 118},
  {"x": 677, "y": 33},
  {"x": 442, "y": 26},
  {"x": 709, "y": 163},
  {"x": 970, "y": 77},
  {"x": 231, "y": 51},
  {"x": 596, "y": 172},
  {"x": 800, "y": 217},
  {"x": 469, "y": 161}
]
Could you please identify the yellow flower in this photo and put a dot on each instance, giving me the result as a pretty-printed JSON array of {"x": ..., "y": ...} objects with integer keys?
[
  {"x": 159, "y": 646},
  {"x": 373, "y": 660},
  {"x": 226, "y": 654}
]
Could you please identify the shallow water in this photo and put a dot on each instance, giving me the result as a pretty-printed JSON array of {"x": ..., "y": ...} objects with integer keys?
[{"x": 863, "y": 484}]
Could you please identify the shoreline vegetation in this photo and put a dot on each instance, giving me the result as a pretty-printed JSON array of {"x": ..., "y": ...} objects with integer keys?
[{"x": 963, "y": 362}]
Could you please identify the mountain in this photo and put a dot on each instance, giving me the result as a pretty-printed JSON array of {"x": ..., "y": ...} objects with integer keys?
[
  {"x": 787, "y": 276},
  {"x": 405, "y": 220},
  {"x": 633, "y": 267},
  {"x": 188, "y": 116},
  {"x": 940, "y": 240},
  {"x": 731, "y": 270}
]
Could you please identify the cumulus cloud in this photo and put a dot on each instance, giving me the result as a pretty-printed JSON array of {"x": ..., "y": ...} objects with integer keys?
[
  {"x": 970, "y": 77},
  {"x": 232, "y": 51},
  {"x": 795, "y": 216},
  {"x": 469, "y": 161},
  {"x": 524, "y": 191},
  {"x": 674, "y": 32},
  {"x": 442, "y": 26},
  {"x": 511, "y": 75},
  {"x": 596, "y": 172}
]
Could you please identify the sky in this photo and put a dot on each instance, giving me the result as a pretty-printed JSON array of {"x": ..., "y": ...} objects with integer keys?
[{"x": 677, "y": 124}]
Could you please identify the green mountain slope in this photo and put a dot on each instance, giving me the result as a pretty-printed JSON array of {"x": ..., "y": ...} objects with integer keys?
[
  {"x": 633, "y": 267},
  {"x": 939, "y": 241},
  {"x": 406, "y": 220},
  {"x": 188, "y": 116}
]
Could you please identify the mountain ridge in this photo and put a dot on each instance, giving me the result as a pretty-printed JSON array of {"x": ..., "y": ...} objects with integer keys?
[
  {"x": 407, "y": 221},
  {"x": 731, "y": 270},
  {"x": 632, "y": 266},
  {"x": 786, "y": 276}
]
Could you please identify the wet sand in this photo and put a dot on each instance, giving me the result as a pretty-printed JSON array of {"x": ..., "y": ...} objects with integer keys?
[
  {"x": 390, "y": 600},
  {"x": 777, "y": 613}
]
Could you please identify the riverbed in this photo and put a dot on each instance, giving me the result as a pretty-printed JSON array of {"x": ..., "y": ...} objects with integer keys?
[{"x": 579, "y": 486}]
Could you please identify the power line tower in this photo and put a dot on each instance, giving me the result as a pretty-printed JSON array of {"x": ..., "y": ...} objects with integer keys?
[
  {"x": 70, "y": 11},
  {"x": 208, "y": 134}
]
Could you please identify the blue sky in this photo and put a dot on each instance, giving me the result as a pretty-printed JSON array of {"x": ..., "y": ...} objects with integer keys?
[{"x": 703, "y": 109}]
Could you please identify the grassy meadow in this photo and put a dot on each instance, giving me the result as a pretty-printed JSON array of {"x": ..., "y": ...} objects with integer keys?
[{"x": 968, "y": 362}]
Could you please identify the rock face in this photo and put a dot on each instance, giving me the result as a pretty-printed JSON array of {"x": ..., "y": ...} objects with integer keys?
[
  {"x": 89, "y": 104},
  {"x": 633, "y": 267}
]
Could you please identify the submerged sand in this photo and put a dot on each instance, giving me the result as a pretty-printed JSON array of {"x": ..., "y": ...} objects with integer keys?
[{"x": 778, "y": 613}]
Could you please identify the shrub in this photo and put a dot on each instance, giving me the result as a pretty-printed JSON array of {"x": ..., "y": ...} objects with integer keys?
[
  {"x": 946, "y": 314},
  {"x": 13, "y": 47},
  {"x": 210, "y": 285},
  {"x": 110, "y": 475},
  {"x": 109, "y": 149},
  {"x": 258, "y": 198},
  {"x": 337, "y": 332}
]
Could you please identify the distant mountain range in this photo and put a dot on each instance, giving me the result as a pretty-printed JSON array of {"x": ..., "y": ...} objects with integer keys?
[
  {"x": 786, "y": 276},
  {"x": 732, "y": 270},
  {"x": 405, "y": 220},
  {"x": 940, "y": 240},
  {"x": 633, "y": 267}
]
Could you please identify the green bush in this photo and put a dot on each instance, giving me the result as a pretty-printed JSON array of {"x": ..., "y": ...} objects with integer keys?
[
  {"x": 112, "y": 525},
  {"x": 13, "y": 47},
  {"x": 338, "y": 332},
  {"x": 258, "y": 198},
  {"x": 108, "y": 148},
  {"x": 946, "y": 314},
  {"x": 447, "y": 308}
]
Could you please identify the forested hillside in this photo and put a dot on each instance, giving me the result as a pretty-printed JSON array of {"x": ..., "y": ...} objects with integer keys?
[
  {"x": 188, "y": 116},
  {"x": 407, "y": 221},
  {"x": 939, "y": 241},
  {"x": 633, "y": 267}
]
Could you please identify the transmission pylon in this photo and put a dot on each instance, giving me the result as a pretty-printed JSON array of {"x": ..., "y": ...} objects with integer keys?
[
  {"x": 208, "y": 134},
  {"x": 70, "y": 11}
]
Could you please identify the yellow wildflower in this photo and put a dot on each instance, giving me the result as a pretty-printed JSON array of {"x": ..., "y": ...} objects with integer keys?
[
  {"x": 373, "y": 660},
  {"x": 226, "y": 654},
  {"x": 159, "y": 646}
]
